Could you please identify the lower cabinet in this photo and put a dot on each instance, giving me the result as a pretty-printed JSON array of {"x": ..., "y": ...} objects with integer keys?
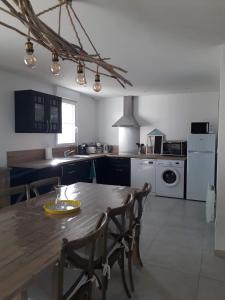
[
  {"x": 75, "y": 172},
  {"x": 19, "y": 176},
  {"x": 109, "y": 170},
  {"x": 113, "y": 170},
  {"x": 118, "y": 171}
]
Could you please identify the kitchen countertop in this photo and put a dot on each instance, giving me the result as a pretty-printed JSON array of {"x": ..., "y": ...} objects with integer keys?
[{"x": 58, "y": 161}]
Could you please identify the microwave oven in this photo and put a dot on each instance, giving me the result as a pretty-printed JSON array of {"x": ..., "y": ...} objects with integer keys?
[
  {"x": 200, "y": 127},
  {"x": 175, "y": 148}
]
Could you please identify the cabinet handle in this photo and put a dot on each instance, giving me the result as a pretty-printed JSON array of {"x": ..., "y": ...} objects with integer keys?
[
  {"x": 72, "y": 172},
  {"x": 71, "y": 165},
  {"x": 47, "y": 126}
]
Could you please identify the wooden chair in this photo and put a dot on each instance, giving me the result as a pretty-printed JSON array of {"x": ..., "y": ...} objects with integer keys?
[
  {"x": 133, "y": 231},
  {"x": 20, "y": 192},
  {"x": 116, "y": 246},
  {"x": 138, "y": 212},
  {"x": 81, "y": 254},
  {"x": 44, "y": 185}
]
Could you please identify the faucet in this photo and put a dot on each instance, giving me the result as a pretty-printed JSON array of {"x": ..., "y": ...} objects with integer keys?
[{"x": 68, "y": 152}]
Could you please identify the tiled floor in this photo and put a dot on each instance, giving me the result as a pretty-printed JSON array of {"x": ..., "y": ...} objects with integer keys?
[{"x": 177, "y": 251}]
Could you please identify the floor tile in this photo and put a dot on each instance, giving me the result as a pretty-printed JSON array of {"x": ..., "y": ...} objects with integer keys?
[
  {"x": 213, "y": 266},
  {"x": 181, "y": 237},
  {"x": 158, "y": 283},
  {"x": 177, "y": 258},
  {"x": 157, "y": 218},
  {"x": 187, "y": 222},
  {"x": 161, "y": 204},
  {"x": 192, "y": 209},
  {"x": 211, "y": 289}
]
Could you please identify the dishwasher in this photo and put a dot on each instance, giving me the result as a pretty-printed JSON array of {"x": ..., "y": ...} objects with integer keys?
[{"x": 143, "y": 170}]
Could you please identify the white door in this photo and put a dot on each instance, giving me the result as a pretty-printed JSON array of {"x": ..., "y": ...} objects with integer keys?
[
  {"x": 142, "y": 170},
  {"x": 200, "y": 174}
]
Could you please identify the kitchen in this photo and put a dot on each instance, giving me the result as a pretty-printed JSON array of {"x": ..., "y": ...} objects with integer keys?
[{"x": 169, "y": 112}]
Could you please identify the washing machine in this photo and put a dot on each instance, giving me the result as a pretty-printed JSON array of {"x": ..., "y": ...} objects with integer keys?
[{"x": 170, "y": 175}]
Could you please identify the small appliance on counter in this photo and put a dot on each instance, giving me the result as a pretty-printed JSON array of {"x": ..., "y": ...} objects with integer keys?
[
  {"x": 82, "y": 149},
  {"x": 91, "y": 149},
  {"x": 200, "y": 127},
  {"x": 140, "y": 148},
  {"x": 175, "y": 148},
  {"x": 106, "y": 148},
  {"x": 99, "y": 148}
]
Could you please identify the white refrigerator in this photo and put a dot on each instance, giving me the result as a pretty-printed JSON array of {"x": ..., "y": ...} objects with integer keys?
[{"x": 201, "y": 156}]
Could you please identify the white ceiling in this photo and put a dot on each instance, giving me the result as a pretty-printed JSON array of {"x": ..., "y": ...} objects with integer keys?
[{"x": 167, "y": 46}]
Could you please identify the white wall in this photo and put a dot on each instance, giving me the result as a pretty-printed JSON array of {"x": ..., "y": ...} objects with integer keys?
[
  {"x": 108, "y": 112},
  {"x": 172, "y": 114},
  {"x": 9, "y": 140},
  {"x": 220, "y": 208}
]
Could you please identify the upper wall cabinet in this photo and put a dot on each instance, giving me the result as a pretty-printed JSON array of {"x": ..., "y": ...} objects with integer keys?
[{"x": 37, "y": 112}]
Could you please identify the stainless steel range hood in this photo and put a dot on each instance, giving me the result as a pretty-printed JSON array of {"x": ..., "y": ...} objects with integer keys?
[{"x": 128, "y": 119}]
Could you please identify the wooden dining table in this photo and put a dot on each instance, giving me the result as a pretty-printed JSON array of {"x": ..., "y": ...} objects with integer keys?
[{"x": 31, "y": 240}]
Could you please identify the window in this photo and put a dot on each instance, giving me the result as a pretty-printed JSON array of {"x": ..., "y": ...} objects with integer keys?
[{"x": 68, "y": 135}]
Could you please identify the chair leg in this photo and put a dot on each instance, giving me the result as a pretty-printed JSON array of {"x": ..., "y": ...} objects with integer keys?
[
  {"x": 104, "y": 287},
  {"x": 122, "y": 269},
  {"x": 130, "y": 270},
  {"x": 137, "y": 242},
  {"x": 60, "y": 281}
]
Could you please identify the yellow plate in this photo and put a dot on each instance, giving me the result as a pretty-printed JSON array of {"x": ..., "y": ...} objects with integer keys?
[{"x": 62, "y": 207}]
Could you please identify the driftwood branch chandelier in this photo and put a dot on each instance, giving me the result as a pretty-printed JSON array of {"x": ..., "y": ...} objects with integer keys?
[{"x": 39, "y": 32}]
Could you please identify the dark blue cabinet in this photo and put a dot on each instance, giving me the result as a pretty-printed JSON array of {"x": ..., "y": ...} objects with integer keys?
[{"x": 37, "y": 112}]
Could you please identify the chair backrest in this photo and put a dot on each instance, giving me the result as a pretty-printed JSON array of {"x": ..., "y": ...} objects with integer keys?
[
  {"x": 120, "y": 218},
  {"x": 44, "y": 185},
  {"x": 81, "y": 254},
  {"x": 21, "y": 192},
  {"x": 139, "y": 197}
]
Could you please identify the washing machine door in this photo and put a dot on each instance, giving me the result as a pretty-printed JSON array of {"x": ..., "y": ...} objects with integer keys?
[{"x": 170, "y": 177}]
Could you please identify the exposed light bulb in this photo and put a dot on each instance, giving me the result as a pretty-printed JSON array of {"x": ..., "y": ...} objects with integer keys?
[
  {"x": 97, "y": 84},
  {"x": 30, "y": 60},
  {"x": 55, "y": 66},
  {"x": 80, "y": 75}
]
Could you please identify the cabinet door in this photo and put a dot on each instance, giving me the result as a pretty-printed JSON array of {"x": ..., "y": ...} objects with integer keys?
[
  {"x": 101, "y": 167},
  {"x": 29, "y": 112},
  {"x": 119, "y": 171},
  {"x": 76, "y": 172},
  {"x": 84, "y": 171},
  {"x": 39, "y": 112},
  {"x": 69, "y": 174},
  {"x": 54, "y": 112}
]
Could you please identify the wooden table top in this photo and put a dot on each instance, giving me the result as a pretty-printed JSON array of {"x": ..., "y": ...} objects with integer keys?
[{"x": 31, "y": 240}]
